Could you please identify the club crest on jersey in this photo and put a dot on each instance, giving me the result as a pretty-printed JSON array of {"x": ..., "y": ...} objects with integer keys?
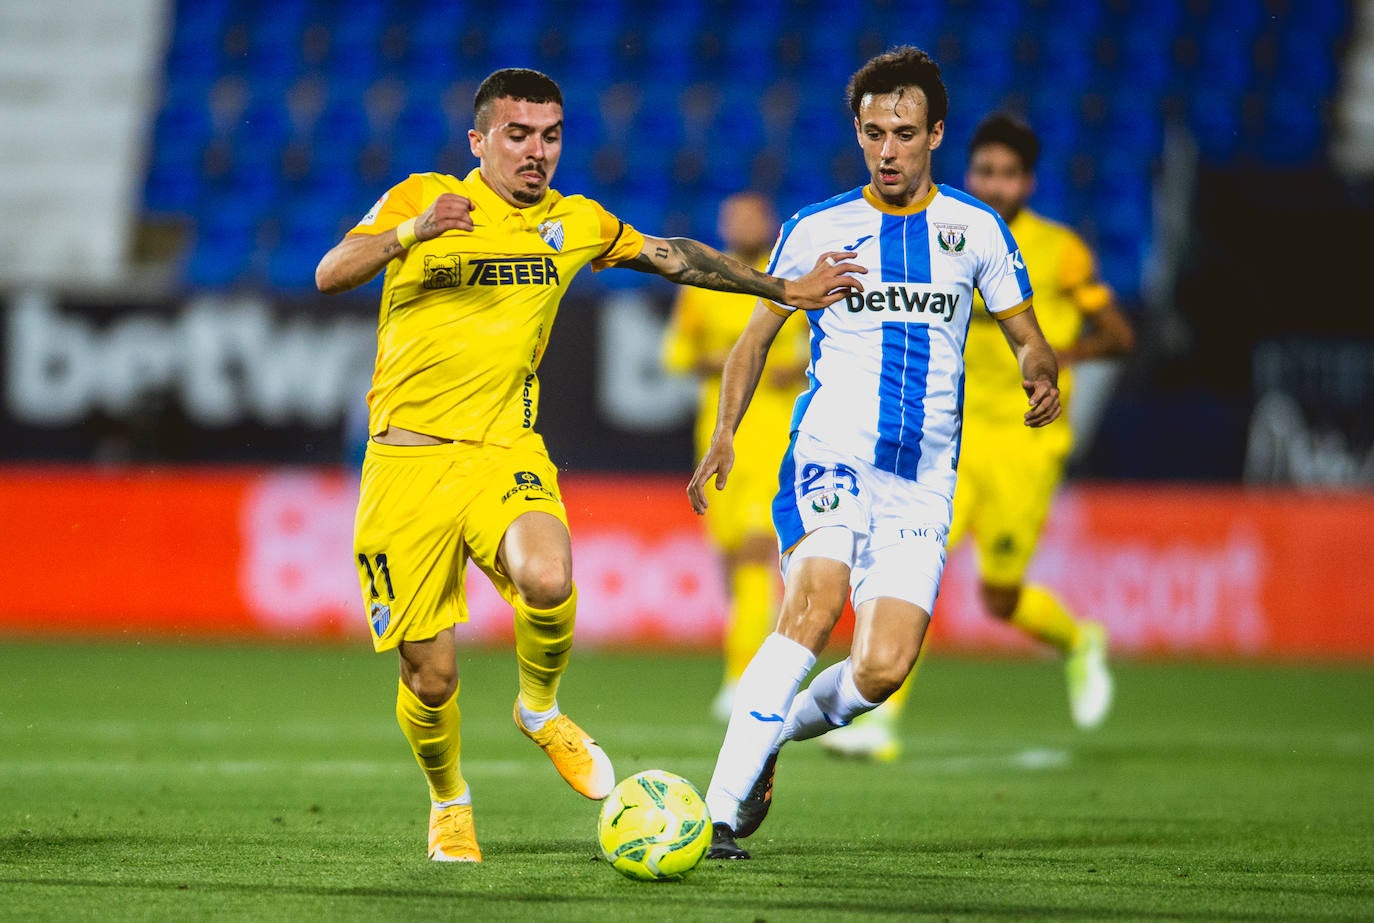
[
  {"x": 826, "y": 502},
  {"x": 379, "y": 618},
  {"x": 952, "y": 238},
  {"x": 551, "y": 232}
]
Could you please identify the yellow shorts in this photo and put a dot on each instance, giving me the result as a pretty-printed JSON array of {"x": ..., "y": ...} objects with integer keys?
[
  {"x": 423, "y": 510},
  {"x": 1003, "y": 496},
  {"x": 745, "y": 506}
]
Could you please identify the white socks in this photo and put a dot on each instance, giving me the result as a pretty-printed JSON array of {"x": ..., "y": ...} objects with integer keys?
[
  {"x": 535, "y": 720},
  {"x": 832, "y": 700},
  {"x": 762, "y": 702}
]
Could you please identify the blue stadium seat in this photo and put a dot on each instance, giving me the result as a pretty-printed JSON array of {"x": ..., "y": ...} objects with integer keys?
[
  {"x": 172, "y": 187},
  {"x": 1041, "y": 57},
  {"x": 1213, "y": 114}
]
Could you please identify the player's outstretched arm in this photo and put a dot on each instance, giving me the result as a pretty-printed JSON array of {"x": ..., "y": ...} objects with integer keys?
[
  {"x": 354, "y": 260},
  {"x": 690, "y": 262},
  {"x": 1107, "y": 334},
  {"x": 740, "y": 378},
  {"x": 1039, "y": 369}
]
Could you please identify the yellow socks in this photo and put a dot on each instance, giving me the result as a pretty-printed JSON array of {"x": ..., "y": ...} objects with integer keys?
[
  {"x": 753, "y": 605},
  {"x": 434, "y": 738},
  {"x": 543, "y": 643},
  {"x": 1040, "y": 614}
]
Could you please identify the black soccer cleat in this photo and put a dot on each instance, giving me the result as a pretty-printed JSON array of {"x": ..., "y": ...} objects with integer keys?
[
  {"x": 754, "y": 808},
  {"x": 723, "y": 845}
]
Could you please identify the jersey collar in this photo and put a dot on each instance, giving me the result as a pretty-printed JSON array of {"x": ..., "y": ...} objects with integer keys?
[
  {"x": 488, "y": 201},
  {"x": 918, "y": 206}
]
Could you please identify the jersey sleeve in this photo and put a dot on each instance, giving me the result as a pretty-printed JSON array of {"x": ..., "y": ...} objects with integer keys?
[
  {"x": 1078, "y": 276},
  {"x": 789, "y": 261},
  {"x": 1002, "y": 277},
  {"x": 622, "y": 241},
  {"x": 399, "y": 203},
  {"x": 682, "y": 340}
]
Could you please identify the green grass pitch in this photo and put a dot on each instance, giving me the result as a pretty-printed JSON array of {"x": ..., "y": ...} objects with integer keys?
[{"x": 147, "y": 781}]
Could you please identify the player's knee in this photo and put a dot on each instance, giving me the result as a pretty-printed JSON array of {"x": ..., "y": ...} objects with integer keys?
[
  {"x": 434, "y": 685},
  {"x": 1000, "y": 601},
  {"x": 544, "y": 582},
  {"x": 877, "y": 677}
]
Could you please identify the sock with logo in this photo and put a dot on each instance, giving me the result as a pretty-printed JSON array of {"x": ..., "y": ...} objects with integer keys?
[
  {"x": 753, "y": 606},
  {"x": 831, "y": 700},
  {"x": 434, "y": 738},
  {"x": 762, "y": 701},
  {"x": 1040, "y": 614},
  {"x": 543, "y": 643}
]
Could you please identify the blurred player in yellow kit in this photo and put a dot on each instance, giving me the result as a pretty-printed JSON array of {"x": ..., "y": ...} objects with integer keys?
[
  {"x": 704, "y": 327},
  {"x": 475, "y": 269},
  {"x": 1008, "y": 472}
]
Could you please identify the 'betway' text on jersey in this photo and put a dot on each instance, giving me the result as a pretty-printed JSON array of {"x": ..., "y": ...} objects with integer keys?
[{"x": 887, "y": 373}]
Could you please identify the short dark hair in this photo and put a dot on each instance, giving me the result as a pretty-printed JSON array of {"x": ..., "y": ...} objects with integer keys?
[
  {"x": 1008, "y": 129},
  {"x": 903, "y": 66},
  {"x": 513, "y": 83}
]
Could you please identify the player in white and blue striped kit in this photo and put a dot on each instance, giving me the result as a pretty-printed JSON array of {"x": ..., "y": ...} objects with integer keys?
[{"x": 863, "y": 507}]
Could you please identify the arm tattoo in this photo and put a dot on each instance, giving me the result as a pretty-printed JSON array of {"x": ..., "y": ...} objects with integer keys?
[{"x": 694, "y": 263}]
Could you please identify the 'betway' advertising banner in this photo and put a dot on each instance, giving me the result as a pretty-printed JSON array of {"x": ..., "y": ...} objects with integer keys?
[
  {"x": 143, "y": 553},
  {"x": 240, "y": 378}
]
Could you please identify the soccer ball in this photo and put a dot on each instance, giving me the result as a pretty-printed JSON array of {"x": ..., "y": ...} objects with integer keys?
[{"x": 654, "y": 826}]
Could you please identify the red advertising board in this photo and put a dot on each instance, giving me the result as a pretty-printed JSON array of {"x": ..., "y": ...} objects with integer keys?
[{"x": 266, "y": 552}]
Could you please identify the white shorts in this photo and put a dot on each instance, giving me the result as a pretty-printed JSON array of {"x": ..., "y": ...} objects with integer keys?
[{"x": 898, "y": 527}]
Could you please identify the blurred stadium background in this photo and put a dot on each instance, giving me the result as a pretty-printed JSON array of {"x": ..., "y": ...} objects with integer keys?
[{"x": 181, "y": 406}]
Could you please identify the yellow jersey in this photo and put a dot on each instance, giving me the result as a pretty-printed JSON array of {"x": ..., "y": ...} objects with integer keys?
[
  {"x": 705, "y": 325},
  {"x": 1064, "y": 277},
  {"x": 465, "y": 317}
]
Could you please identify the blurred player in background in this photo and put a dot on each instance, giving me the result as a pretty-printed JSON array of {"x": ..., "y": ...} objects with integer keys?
[
  {"x": 863, "y": 505},
  {"x": 475, "y": 269},
  {"x": 1008, "y": 473},
  {"x": 704, "y": 326}
]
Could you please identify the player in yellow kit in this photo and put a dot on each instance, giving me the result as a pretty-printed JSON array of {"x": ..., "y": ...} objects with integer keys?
[
  {"x": 704, "y": 327},
  {"x": 1008, "y": 473},
  {"x": 475, "y": 268}
]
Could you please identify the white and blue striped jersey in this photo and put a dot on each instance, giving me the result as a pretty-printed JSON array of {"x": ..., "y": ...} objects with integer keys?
[{"x": 887, "y": 364}]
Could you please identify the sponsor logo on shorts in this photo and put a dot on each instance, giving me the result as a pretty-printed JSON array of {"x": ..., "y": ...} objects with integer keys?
[
  {"x": 933, "y": 533},
  {"x": 379, "y": 618},
  {"x": 529, "y": 486}
]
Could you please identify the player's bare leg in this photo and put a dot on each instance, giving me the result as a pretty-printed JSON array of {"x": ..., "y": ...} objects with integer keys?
[
  {"x": 888, "y": 634},
  {"x": 536, "y": 554}
]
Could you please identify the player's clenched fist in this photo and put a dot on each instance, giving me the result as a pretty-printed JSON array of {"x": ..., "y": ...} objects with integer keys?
[{"x": 449, "y": 212}]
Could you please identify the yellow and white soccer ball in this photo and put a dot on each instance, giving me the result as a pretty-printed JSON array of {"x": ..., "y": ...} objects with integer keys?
[{"x": 654, "y": 826}]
